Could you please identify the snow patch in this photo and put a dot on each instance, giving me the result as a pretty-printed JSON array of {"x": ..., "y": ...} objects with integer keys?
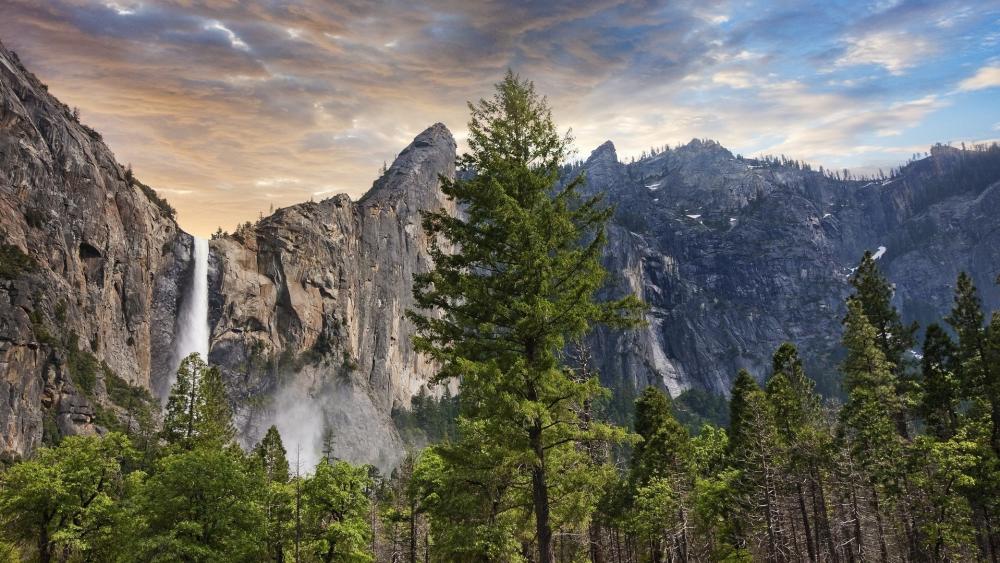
[
  {"x": 879, "y": 253},
  {"x": 694, "y": 216},
  {"x": 653, "y": 187},
  {"x": 825, "y": 215}
]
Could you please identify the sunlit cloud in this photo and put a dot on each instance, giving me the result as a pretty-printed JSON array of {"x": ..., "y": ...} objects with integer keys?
[
  {"x": 986, "y": 77},
  {"x": 232, "y": 108}
]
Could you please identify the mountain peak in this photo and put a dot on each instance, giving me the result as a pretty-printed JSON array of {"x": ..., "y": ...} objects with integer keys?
[
  {"x": 430, "y": 154},
  {"x": 605, "y": 152}
]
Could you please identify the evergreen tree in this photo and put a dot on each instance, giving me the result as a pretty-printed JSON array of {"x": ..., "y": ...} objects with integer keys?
[
  {"x": 872, "y": 401},
  {"x": 804, "y": 441},
  {"x": 874, "y": 294},
  {"x": 756, "y": 453},
  {"x": 277, "y": 494},
  {"x": 198, "y": 413},
  {"x": 661, "y": 477},
  {"x": 740, "y": 432},
  {"x": 273, "y": 457},
  {"x": 868, "y": 427},
  {"x": 329, "y": 441},
  {"x": 941, "y": 389},
  {"x": 992, "y": 372},
  {"x": 335, "y": 512},
  {"x": 520, "y": 284},
  {"x": 966, "y": 319}
]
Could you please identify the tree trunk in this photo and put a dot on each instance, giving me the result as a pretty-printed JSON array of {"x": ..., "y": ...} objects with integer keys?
[
  {"x": 540, "y": 496},
  {"x": 596, "y": 542},
  {"x": 805, "y": 522},
  {"x": 883, "y": 549},
  {"x": 44, "y": 547},
  {"x": 413, "y": 535},
  {"x": 823, "y": 518},
  {"x": 856, "y": 515}
]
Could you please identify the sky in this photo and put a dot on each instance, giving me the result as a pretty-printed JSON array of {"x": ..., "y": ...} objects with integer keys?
[{"x": 229, "y": 108}]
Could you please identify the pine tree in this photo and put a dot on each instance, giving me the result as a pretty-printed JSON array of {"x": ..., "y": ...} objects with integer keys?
[
  {"x": 874, "y": 293},
  {"x": 214, "y": 424},
  {"x": 519, "y": 286},
  {"x": 183, "y": 402},
  {"x": 803, "y": 438},
  {"x": 329, "y": 442},
  {"x": 198, "y": 413},
  {"x": 739, "y": 431},
  {"x": 941, "y": 389},
  {"x": 277, "y": 495},
  {"x": 273, "y": 457},
  {"x": 966, "y": 319},
  {"x": 660, "y": 478},
  {"x": 868, "y": 419},
  {"x": 756, "y": 453},
  {"x": 872, "y": 401},
  {"x": 992, "y": 372}
]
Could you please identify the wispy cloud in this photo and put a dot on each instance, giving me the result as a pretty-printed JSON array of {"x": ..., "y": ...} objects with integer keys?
[
  {"x": 985, "y": 77},
  {"x": 233, "y": 107}
]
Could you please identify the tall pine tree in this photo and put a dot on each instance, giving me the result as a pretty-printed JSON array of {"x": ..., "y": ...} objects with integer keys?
[
  {"x": 198, "y": 413},
  {"x": 520, "y": 285},
  {"x": 874, "y": 294},
  {"x": 941, "y": 390}
]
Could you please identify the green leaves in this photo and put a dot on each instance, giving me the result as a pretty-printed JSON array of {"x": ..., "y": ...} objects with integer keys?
[
  {"x": 61, "y": 499},
  {"x": 198, "y": 413},
  {"x": 514, "y": 282},
  {"x": 335, "y": 511}
]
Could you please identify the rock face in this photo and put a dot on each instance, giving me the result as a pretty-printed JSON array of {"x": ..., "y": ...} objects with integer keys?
[
  {"x": 307, "y": 308},
  {"x": 90, "y": 268},
  {"x": 736, "y": 256}
]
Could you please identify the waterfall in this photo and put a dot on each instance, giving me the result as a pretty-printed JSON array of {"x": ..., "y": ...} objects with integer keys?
[{"x": 192, "y": 325}]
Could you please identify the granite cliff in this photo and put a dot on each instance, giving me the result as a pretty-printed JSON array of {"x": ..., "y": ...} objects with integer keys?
[
  {"x": 735, "y": 256},
  {"x": 92, "y": 261}
]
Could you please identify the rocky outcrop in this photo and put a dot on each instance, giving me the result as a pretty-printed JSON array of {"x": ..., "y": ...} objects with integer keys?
[
  {"x": 89, "y": 258},
  {"x": 735, "y": 256},
  {"x": 310, "y": 303}
]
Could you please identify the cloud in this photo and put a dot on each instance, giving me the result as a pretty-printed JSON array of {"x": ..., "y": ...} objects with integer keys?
[
  {"x": 985, "y": 77},
  {"x": 896, "y": 51},
  {"x": 233, "y": 107}
]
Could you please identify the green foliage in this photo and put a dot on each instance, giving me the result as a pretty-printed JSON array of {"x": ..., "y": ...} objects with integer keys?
[
  {"x": 872, "y": 401},
  {"x": 335, "y": 511},
  {"x": 696, "y": 407},
  {"x": 966, "y": 319},
  {"x": 941, "y": 388},
  {"x": 83, "y": 366},
  {"x": 429, "y": 419},
  {"x": 162, "y": 204},
  {"x": 197, "y": 410},
  {"x": 14, "y": 263},
  {"x": 198, "y": 505},
  {"x": 874, "y": 293},
  {"x": 521, "y": 285},
  {"x": 62, "y": 500},
  {"x": 277, "y": 494}
]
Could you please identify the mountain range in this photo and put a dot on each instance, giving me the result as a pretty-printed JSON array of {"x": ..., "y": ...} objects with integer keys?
[{"x": 733, "y": 255}]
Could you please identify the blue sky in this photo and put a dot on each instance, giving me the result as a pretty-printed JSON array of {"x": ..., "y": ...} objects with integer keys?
[{"x": 228, "y": 108}]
